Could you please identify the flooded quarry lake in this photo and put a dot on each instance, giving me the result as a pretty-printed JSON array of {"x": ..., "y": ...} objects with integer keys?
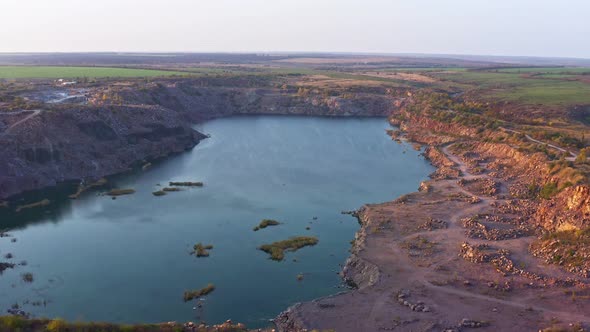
[{"x": 129, "y": 259}]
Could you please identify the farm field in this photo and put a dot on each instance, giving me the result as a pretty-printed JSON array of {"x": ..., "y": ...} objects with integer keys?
[
  {"x": 54, "y": 72},
  {"x": 547, "y": 70},
  {"x": 512, "y": 85},
  {"x": 425, "y": 69}
]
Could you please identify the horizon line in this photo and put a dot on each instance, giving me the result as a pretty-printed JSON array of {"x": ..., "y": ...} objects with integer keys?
[{"x": 286, "y": 53}]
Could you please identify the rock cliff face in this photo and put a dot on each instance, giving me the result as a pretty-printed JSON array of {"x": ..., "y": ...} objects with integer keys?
[
  {"x": 87, "y": 143},
  {"x": 568, "y": 210},
  {"x": 124, "y": 125},
  {"x": 203, "y": 102},
  {"x": 358, "y": 272},
  {"x": 425, "y": 129},
  {"x": 513, "y": 163}
]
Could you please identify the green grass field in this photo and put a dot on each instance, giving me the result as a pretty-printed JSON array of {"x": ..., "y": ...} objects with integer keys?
[
  {"x": 513, "y": 86},
  {"x": 487, "y": 79},
  {"x": 551, "y": 92},
  {"x": 20, "y": 72},
  {"x": 423, "y": 69},
  {"x": 547, "y": 70}
]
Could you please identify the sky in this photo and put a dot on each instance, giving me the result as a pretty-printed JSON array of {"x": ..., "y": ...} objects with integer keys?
[{"x": 484, "y": 27}]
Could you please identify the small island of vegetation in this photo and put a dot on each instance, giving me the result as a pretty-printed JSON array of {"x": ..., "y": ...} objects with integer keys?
[
  {"x": 195, "y": 294},
  {"x": 277, "y": 249},
  {"x": 201, "y": 250},
  {"x": 120, "y": 192},
  {"x": 265, "y": 223},
  {"x": 171, "y": 189},
  {"x": 186, "y": 184}
]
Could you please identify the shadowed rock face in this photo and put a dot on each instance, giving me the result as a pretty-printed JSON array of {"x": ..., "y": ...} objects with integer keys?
[
  {"x": 88, "y": 143},
  {"x": 230, "y": 98},
  {"x": 98, "y": 129}
]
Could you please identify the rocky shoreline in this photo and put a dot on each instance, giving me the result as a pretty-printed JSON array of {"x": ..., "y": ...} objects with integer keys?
[{"x": 474, "y": 268}]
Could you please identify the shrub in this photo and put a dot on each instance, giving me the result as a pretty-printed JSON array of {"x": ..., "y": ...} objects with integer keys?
[
  {"x": 56, "y": 325},
  {"x": 549, "y": 190},
  {"x": 581, "y": 158},
  {"x": 12, "y": 322}
]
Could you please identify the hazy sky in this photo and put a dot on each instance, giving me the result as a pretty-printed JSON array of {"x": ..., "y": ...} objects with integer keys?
[{"x": 495, "y": 27}]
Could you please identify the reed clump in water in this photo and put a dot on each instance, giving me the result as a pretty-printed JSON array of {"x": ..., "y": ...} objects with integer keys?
[
  {"x": 186, "y": 184},
  {"x": 201, "y": 250},
  {"x": 120, "y": 192},
  {"x": 42, "y": 203},
  {"x": 277, "y": 249},
  {"x": 83, "y": 188},
  {"x": 195, "y": 294},
  {"x": 27, "y": 277},
  {"x": 265, "y": 223}
]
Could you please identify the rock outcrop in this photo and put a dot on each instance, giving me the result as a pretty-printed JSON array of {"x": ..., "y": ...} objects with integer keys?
[
  {"x": 88, "y": 143},
  {"x": 568, "y": 210},
  {"x": 204, "y": 99},
  {"x": 358, "y": 272}
]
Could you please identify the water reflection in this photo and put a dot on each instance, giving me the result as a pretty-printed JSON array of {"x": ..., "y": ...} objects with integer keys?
[{"x": 127, "y": 260}]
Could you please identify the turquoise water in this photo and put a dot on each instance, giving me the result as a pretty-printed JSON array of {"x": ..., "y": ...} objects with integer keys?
[{"x": 127, "y": 260}]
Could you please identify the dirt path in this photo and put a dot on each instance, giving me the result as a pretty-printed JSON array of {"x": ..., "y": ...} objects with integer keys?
[
  {"x": 21, "y": 121},
  {"x": 573, "y": 155},
  {"x": 568, "y": 315}
]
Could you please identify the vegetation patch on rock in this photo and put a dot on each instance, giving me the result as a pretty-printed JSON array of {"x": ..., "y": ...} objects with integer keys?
[{"x": 569, "y": 249}]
